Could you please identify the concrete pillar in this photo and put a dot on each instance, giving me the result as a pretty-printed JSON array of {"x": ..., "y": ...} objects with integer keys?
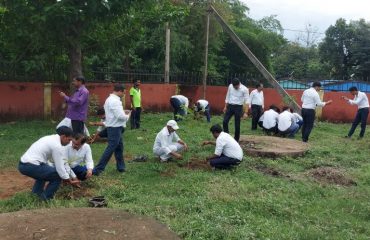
[
  {"x": 319, "y": 110},
  {"x": 47, "y": 100}
]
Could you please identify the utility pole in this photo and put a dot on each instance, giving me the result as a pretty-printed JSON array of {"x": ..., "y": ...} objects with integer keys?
[
  {"x": 254, "y": 59},
  {"x": 205, "y": 73},
  {"x": 167, "y": 57}
]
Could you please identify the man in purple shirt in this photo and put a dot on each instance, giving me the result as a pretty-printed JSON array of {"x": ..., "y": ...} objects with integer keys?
[{"x": 77, "y": 104}]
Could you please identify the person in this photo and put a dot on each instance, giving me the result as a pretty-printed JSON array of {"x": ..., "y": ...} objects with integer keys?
[
  {"x": 362, "y": 102},
  {"x": 79, "y": 152},
  {"x": 34, "y": 163},
  {"x": 115, "y": 121},
  {"x": 168, "y": 144},
  {"x": 310, "y": 100},
  {"x": 228, "y": 152},
  {"x": 180, "y": 105},
  {"x": 203, "y": 106},
  {"x": 78, "y": 104},
  {"x": 67, "y": 122},
  {"x": 101, "y": 131},
  {"x": 297, "y": 118},
  {"x": 287, "y": 124},
  {"x": 256, "y": 104},
  {"x": 135, "y": 97},
  {"x": 237, "y": 96},
  {"x": 269, "y": 120}
]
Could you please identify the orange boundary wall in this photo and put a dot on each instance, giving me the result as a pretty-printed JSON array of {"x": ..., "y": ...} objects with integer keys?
[{"x": 26, "y": 100}]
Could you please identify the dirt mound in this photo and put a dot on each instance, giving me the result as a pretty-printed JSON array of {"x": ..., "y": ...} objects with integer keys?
[
  {"x": 11, "y": 182},
  {"x": 270, "y": 171},
  {"x": 273, "y": 147},
  {"x": 195, "y": 164},
  {"x": 80, "y": 223},
  {"x": 330, "y": 175}
]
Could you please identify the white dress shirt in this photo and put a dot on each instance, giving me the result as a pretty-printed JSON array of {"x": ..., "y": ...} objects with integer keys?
[
  {"x": 256, "y": 98},
  {"x": 76, "y": 157},
  {"x": 164, "y": 139},
  {"x": 311, "y": 99},
  {"x": 270, "y": 118},
  {"x": 226, "y": 145},
  {"x": 297, "y": 117},
  {"x": 203, "y": 104},
  {"x": 238, "y": 96},
  {"x": 183, "y": 100},
  {"x": 47, "y": 149},
  {"x": 115, "y": 116},
  {"x": 285, "y": 120},
  {"x": 360, "y": 100}
]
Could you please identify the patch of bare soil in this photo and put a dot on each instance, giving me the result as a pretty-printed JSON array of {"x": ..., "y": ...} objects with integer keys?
[
  {"x": 12, "y": 181},
  {"x": 273, "y": 147},
  {"x": 195, "y": 164},
  {"x": 270, "y": 171},
  {"x": 330, "y": 175},
  {"x": 69, "y": 192},
  {"x": 80, "y": 223}
]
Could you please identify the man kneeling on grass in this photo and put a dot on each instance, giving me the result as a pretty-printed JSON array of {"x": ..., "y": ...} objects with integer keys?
[
  {"x": 34, "y": 163},
  {"x": 167, "y": 144},
  {"x": 228, "y": 152},
  {"x": 79, "y": 152}
]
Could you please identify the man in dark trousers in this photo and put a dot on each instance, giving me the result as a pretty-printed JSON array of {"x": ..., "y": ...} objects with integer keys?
[
  {"x": 237, "y": 98},
  {"x": 78, "y": 104},
  {"x": 115, "y": 121},
  {"x": 256, "y": 104},
  {"x": 362, "y": 102},
  {"x": 310, "y": 100},
  {"x": 135, "y": 97}
]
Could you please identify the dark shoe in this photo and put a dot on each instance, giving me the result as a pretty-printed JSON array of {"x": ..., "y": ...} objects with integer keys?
[
  {"x": 121, "y": 170},
  {"x": 347, "y": 136},
  {"x": 359, "y": 138},
  {"x": 98, "y": 201},
  {"x": 140, "y": 158}
]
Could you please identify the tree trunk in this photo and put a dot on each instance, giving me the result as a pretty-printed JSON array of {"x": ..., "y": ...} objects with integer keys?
[{"x": 75, "y": 59}]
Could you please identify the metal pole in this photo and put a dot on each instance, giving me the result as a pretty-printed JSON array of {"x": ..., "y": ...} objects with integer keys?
[
  {"x": 254, "y": 59},
  {"x": 167, "y": 57},
  {"x": 205, "y": 74}
]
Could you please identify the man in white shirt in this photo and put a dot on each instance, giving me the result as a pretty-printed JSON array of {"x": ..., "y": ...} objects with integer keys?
[
  {"x": 115, "y": 121},
  {"x": 256, "y": 104},
  {"x": 167, "y": 143},
  {"x": 101, "y": 131},
  {"x": 287, "y": 123},
  {"x": 297, "y": 118},
  {"x": 269, "y": 120},
  {"x": 362, "y": 102},
  {"x": 79, "y": 152},
  {"x": 310, "y": 100},
  {"x": 180, "y": 106},
  {"x": 237, "y": 96},
  {"x": 34, "y": 163},
  {"x": 228, "y": 152},
  {"x": 203, "y": 106}
]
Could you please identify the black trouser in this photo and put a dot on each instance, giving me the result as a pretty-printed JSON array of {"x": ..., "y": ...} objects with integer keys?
[
  {"x": 361, "y": 117},
  {"x": 273, "y": 130},
  {"x": 256, "y": 114},
  {"x": 237, "y": 111},
  {"x": 78, "y": 126},
  {"x": 308, "y": 116},
  {"x": 178, "y": 109},
  {"x": 135, "y": 118}
]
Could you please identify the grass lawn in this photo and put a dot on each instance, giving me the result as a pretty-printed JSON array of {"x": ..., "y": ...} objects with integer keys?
[{"x": 239, "y": 204}]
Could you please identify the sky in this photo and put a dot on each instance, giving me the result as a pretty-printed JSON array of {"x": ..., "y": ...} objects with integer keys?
[{"x": 297, "y": 14}]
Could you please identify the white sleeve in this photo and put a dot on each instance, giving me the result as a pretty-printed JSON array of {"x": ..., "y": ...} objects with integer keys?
[
  {"x": 357, "y": 101},
  {"x": 246, "y": 96},
  {"x": 219, "y": 147},
  {"x": 88, "y": 158},
  {"x": 69, "y": 170},
  {"x": 227, "y": 98},
  {"x": 263, "y": 101},
  {"x": 318, "y": 101},
  {"x": 57, "y": 155},
  {"x": 118, "y": 112},
  {"x": 251, "y": 98}
]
